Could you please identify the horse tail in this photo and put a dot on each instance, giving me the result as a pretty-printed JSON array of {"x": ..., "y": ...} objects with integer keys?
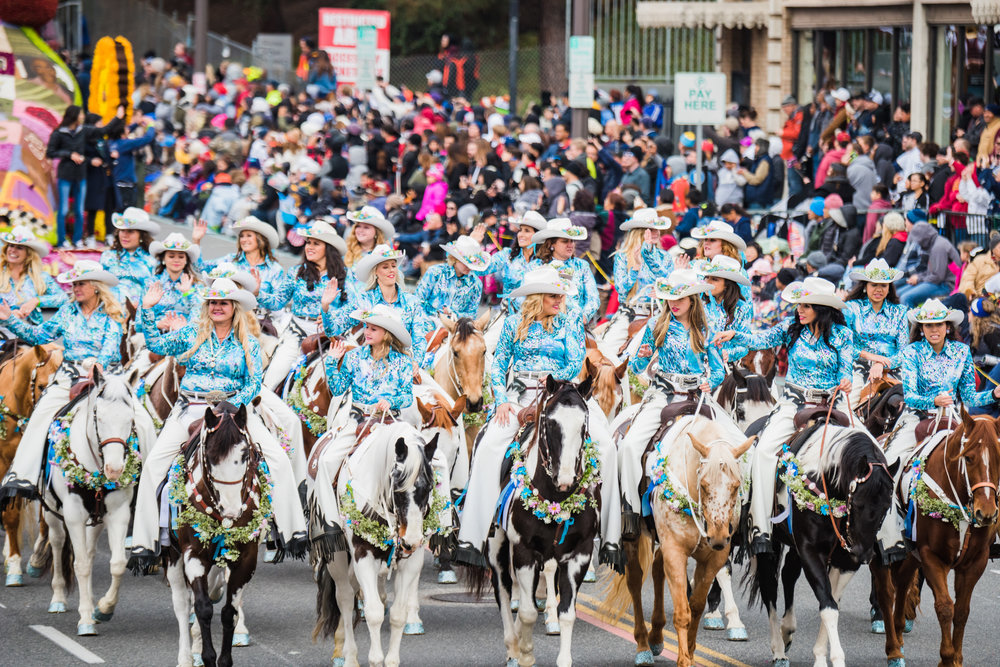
[
  {"x": 614, "y": 586},
  {"x": 477, "y": 578},
  {"x": 327, "y": 611},
  {"x": 69, "y": 576}
]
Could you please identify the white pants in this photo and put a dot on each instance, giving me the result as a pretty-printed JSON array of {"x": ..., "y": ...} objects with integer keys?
[
  {"x": 288, "y": 351},
  {"x": 858, "y": 382},
  {"x": 615, "y": 336},
  {"x": 288, "y": 515},
  {"x": 631, "y": 447},
  {"x": 899, "y": 448},
  {"x": 485, "y": 483},
  {"x": 278, "y": 414}
]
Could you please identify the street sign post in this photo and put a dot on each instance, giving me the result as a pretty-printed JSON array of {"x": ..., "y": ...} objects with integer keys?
[
  {"x": 581, "y": 72},
  {"x": 699, "y": 99},
  {"x": 367, "y": 44}
]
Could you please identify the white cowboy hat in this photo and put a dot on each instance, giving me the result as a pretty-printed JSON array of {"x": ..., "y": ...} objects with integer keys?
[
  {"x": 545, "y": 280},
  {"x": 22, "y": 235},
  {"x": 370, "y": 215},
  {"x": 719, "y": 229},
  {"x": 877, "y": 271},
  {"x": 381, "y": 253},
  {"x": 679, "y": 284},
  {"x": 388, "y": 318},
  {"x": 224, "y": 289},
  {"x": 87, "y": 269},
  {"x": 560, "y": 228},
  {"x": 134, "y": 218},
  {"x": 722, "y": 266},
  {"x": 814, "y": 291},
  {"x": 933, "y": 311},
  {"x": 646, "y": 218},
  {"x": 178, "y": 243},
  {"x": 323, "y": 231},
  {"x": 532, "y": 219},
  {"x": 229, "y": 270},
  {"x": 468, "y": 252},
  {"x": 255, "y": 224}
]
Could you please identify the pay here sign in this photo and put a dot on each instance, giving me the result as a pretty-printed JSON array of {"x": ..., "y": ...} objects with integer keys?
[
  {"x": 338, "y": 36},
  {"x": 699, "y": 98}
]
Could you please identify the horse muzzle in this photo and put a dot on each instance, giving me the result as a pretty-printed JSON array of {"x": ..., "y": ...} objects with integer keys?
[
  {"x": 474, "y": 406},
  {"x": 984, "y": 519},
  {"x": 113, "y": 472}
]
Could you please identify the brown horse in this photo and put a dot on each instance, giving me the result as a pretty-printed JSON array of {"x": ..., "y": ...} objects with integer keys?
[
  {"x": 23, "y": 379},
  {"x": 956, "y": 481},
  {"x": 607, "y": 380},
  {"x": 461, "y": 367},
  {"x": 310, "y": 398}
]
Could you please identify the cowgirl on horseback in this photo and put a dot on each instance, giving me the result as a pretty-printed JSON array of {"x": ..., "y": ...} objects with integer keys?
[
  {"x": 91, "y": 329},
  {"x": 637, "y": 265},
  {"x": 718, "y": 238},
  {"x": 555, "y": 246},
  {"x": 255, "y": 243},
  {"x": 371, "y": 229},
  {"x": 220, "y": 354},
  {"x": 178, "y": 280},
  {"x": 322, "y": 266},
  {"x": 541, "y": 340},
  {"x": 878, "y": 321},
  {"x": 128, "y": 257},
  {"x": 24, "y": 286},
  {"x": 510, "y": 264},
  {"x": 820, "y": 363},
  {"x": 725, "y": 307},
  {"x": 687, "y": 363}
]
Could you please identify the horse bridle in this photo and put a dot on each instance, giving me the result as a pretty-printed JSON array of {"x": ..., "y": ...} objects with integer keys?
[
  {"x": 104, "y": 442},
  {"x": 209, "y": 481},
  {"x": 846, "y": 543},
  {"x": 542, "y": 442}
]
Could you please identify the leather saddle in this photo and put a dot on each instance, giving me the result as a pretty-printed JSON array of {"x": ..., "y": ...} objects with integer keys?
[
  {"x": 312, "y": 343},
  {"x": 928, "y": 427},
  {"x": 818, "y": 414},
  {"x": 436, "y": 338}
]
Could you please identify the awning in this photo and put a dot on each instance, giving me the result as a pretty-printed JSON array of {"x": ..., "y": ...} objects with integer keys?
[
  {"x": 984, "y": 12},
  {"x": 702, "y": 14}
]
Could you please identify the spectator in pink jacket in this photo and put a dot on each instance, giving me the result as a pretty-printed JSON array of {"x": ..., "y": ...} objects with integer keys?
[{"x": 435, "y": 193}]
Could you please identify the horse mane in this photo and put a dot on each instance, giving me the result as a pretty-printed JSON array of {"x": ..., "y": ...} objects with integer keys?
[
  {"x": 848, "y": 459},
  {"x": 440, "y": 415},
  {"x": 226, "y": 434},
  {"x": 464, "y": 328}
]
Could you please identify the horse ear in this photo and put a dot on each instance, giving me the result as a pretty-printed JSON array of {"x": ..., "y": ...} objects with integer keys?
[
  {"x": 742, "y": 449},
  {"x": 620, "y": 369},
  {"x": 425, "y": 412},
  {"x": 133, "y": 376},
  {"x": 551, "y": 384},
  {"x": 588, "y": 367},
  {"x": 968, "y": 421},
  {"x": 586, "y": 388},
  {"x": 894, "y": 468},
  {"x": 483, "y": 320},
  {"x": 42, "y": 352},
  {"x": 448, "y": 322},
  {"x": 459, "y": 407},
  {"x": 699, "y": 446},
  {"x": 211, "y": 419},
  {"x": 401, "y": 450},
  {"x": 130, "y": 308},
  {"x": 431, "y": 447},
  {"x": 740, "y": 377},
  {"x": 96, "y": 375},
  {"x": 241, "y": 416}
]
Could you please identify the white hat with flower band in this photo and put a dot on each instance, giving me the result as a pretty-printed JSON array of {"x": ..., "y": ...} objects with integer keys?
[
  {"x": 933, "y": 311},
  {"x": 647, "y": 218},
  {"x": 134, "y": 218},
  {"x": 229, "y": 270},
  {"x": 545, "y": 280},
  {"x": 679, "y": 284},
  {"x": 813, "y": 291},
  {"x": 567, "y": 275},
  {"x": 23, "y": 236},
  {"x": 387, "y": 318},
  {"x": 468, "y": 252},
  {"x": 224, "y": 289},
  {"x": 381, "y": 253},
  {"x": 369, "y": 215},
  {"x": 560, "y": 228},
  {"x": 877, "y": 271},
  {"x": 255, "y": 224},
  {"x": 323, "y": 231},
  {"x": 88, "y": 270},
  {"x": 723, "y": 266},
  {"x": 719, "y": 229},
  {"x": 532, "y": 219},
  {"x": 177, "y": 243}
]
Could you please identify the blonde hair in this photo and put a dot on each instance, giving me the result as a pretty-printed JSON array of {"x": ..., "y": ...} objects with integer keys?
[
  {"x": 372, "y": 281},
  {"x": 697, "y": 324},
  {"x": 112, "y": 308},
  {"x": 887, "y": 235},
  {"x": 245, "y": 327},
  {"x": 632, "y": 247},
  {"x": 532, "y": 310},
  {"x": 32, "y": 270},
  {"x": 354, "y": 249},
  {"x": 728, "y": 249},
  {"x": 389, "y": 342}
]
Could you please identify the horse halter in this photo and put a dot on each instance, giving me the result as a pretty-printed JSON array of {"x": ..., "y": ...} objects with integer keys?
[
  {"x": 544, "y": 448},
  {"x": 104, "y": 442}
]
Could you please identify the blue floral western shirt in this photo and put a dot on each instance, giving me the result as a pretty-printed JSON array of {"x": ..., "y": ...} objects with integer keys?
[
  {"x": 577, "y": 271},
  {"x": 51, "y": 296},
  {"x": 559, "y": 351},
  {"x": 95, "y": 337},
  {"x": 441, "y": 287},
  {"x": 927, "y": 373},
  {"x": 338, "y": 321},
  {"x": 656, "y": 263},
  {"x": 885, "y": 333},
  {"x": 677, "y": 356},
  {"x": 369, "y": 380},
  {"x": 811, "y": 362},
  {"x": 134, "y": 268}
]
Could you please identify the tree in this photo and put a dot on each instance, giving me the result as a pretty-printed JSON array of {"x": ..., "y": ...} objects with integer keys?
[{"x": 552, "y": 40}]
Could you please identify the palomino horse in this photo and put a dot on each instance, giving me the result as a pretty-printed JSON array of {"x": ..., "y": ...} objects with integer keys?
[
  {"x": 221, "y": 491},
  {"x": 23, "y": 378},
  {"x": 842, "y": 488},
  {"x": 694, "y": 490},
  {"x": 549, "y": 512},
  {"x": 949, "y": 491},
  {"x": 460, "y": 366},
  {"x": 97, "y": 465},
  {"x": 388, "y": 497}
]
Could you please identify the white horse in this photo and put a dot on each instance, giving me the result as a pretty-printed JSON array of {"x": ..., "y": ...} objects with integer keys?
[{"x": 98, "y": 460}]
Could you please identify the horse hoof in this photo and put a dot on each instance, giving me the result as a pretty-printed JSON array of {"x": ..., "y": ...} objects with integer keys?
[
  {"x": 656, "y": 649},
  {"x": 269, "y": 555},
  {"x": 908, "y": 626},
  {"x": 14, "y": 580},
  {"x": 552, "y": 628},
  {"x": 644, "y": 658},
  {"x": 713, "y": 623},
  {"x": 780, "y": 662},
  {"x": 34, "y": 572},
  {"x": 878, "y": 627},
  {"x": 241, "y": 639},
  {"x": 340, "y": 662},
  {"x": 896, "y": 662},
  {"x": 511, "y": 662},
  {"x": 737, "y": 634},
  {"x": 101, "y": 617},
  {"x": 413, "y": 629},
  {"x": 86, "y": 630},
  {"x": 57, "y": 608},
  {"x": 196, "y": 660},
  {"x": 447, "y": 577},
  {"x": 515, "y": 605},
  {"x": 128, "y": 543},
  {"x": 192, "y": 619},
  {"x": 590, "y": 577}
]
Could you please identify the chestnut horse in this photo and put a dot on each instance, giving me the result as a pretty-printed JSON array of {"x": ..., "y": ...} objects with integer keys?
[
  {"x": 460, "y": 366},
  {"x": 607, "y": 380},
  {"x": 23, "y": 378},
  {"x": 949, "y": 493}
]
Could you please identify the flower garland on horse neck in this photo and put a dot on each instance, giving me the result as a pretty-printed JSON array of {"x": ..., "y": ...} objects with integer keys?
[
  {"x": 315, "y": 422},
  {"x": 95, "y": 480},
  {"x": 211, "y": 531},
  {"x": 675, "y": 501},
  {"x": 5, "y": 414},
  {"x": 935, "y": 508},
  {"x": 143, "y": 396},
  {"x": 803, "y": 491}
]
